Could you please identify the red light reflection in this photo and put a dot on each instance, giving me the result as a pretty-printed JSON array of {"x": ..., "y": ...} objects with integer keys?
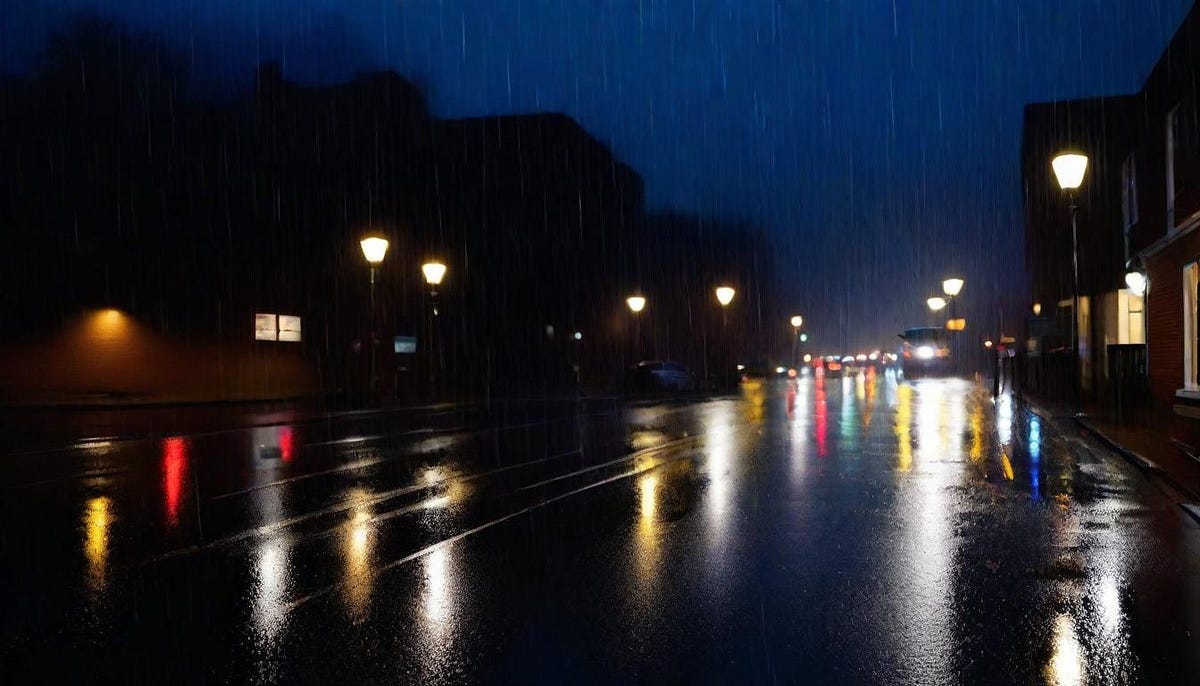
[
  {"x": 174, "y": 466},
  {"x": 822, "y": 447},
  {"x": 286, "y": 443}
]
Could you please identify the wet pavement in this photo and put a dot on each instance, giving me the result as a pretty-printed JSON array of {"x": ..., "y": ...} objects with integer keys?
[{"x": 862, "y": 530}]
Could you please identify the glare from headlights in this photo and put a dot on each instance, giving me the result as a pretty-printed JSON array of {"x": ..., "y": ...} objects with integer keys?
[{"x": 925, "y": 352}]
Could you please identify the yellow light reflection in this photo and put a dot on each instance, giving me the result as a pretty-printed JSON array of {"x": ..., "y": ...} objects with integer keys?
[
  {"x": 648, "y": 485},
  {"x": 976, "y": 452},
  {"x": 1006, "y": 465},
  {"x": 904, "y": 452},
  {"x": 359, "y": 544},
  {"x": 1066, "y": 664},
  {"x": 97, "y": 519}
]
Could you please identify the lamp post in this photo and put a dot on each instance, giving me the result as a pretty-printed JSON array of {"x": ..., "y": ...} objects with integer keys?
[
  {"x": 636, "y": 303},
  {"x": 1069, "y": 168},
  {"x": 373, "y": 249},
  {"x": 952, "y": 287},
  {"x": 434, "y": 272},
  {"x": 796, "y": 321},
  {"x": 724, "y": 298}
]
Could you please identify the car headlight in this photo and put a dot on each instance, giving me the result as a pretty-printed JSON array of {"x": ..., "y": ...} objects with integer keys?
[{"x": 925, "y": 352}]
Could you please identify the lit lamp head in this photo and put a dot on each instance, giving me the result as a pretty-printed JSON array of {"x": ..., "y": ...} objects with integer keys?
[
  {"x": 1136, "y": 282},
  {"x": 936, "y": 303},
  {"x": 434, "y": 272},
  {"x": 725, "y": 295},
  {"x": 952, "y": 287},
  {"x": 1037, "y": 309},
  {"x": 374, "y": 248},
  {"x": 797, "y": 320},
  {"x": 1069, "y": 168},
  {"x": 636, "y": 303}
]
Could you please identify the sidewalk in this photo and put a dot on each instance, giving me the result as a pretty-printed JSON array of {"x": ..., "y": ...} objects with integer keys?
[{"x": 1151, "y": 451}]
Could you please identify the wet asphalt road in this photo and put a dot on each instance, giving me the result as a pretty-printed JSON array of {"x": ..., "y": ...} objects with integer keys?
[{"x": 879, "y": 532}]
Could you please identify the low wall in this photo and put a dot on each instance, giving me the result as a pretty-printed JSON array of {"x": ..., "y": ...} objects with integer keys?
[{"x": 108, "y": 357}]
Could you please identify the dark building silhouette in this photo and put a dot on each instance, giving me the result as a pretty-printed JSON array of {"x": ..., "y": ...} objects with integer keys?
[{"x": 148, "y": 228}]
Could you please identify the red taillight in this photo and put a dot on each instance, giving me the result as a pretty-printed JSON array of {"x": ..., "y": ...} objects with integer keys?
[{"x": 835, "y": 366}]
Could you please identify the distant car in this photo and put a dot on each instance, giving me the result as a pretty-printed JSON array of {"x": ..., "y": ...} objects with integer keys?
[
  {"x": 833, "y": 366},
  {"x": 661, "y": 376},
  {"x": 926, "y": 352}
]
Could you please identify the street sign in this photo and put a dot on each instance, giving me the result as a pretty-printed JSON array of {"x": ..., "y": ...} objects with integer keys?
[{"x": 405, "y": 344}]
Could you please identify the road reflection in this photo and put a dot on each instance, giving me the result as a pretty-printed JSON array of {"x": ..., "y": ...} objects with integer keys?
[
  {"x": 174, "y": 473},
  {"x": 358, "y": 545},
  {"x": 98, "y": 519},
  {"x": 1066, "y": 663}
]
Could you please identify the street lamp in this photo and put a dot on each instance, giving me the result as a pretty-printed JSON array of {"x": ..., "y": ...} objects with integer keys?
[
  {"x": 952, "y": 287},
  {"x": 373, "y": 249},
  {"x": 1135, "y": 278},
  {"x": 433, "y": 272},
  {"x": 1037, "y": 309},
  {"x": 1069, "y": 168},
  {"x": 796, "y": 321},
  {"x": 936, "y": 303},
  {"x": 725, "y": 295},
  {"x": 636, "y": 304}
]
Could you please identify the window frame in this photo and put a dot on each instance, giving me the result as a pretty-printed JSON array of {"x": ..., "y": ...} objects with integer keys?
[{"x": 1191, "y": 342}]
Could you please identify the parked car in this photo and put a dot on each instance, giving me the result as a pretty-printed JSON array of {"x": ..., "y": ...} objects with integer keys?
[{"x": 660, "y": 376}]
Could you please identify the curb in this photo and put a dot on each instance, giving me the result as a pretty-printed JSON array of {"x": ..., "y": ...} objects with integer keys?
[
  {"x": 1144, "y": 464},
  {"x": 1138, "y": 460}
]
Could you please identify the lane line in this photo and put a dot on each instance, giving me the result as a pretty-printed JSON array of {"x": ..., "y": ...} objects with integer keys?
[
  {"x": 342, "y": 506},
  {"x": 375, "y": 572}
]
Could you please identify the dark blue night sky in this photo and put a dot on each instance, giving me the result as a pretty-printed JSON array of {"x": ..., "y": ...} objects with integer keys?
[{"x": 877, "y": 138}]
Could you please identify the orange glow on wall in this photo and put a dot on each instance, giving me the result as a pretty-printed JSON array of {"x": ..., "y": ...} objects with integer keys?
[
  {"x": 174, "y": 466},
  {"x": 110, "y": 355}
]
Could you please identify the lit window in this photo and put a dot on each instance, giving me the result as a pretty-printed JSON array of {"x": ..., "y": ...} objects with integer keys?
[
  {"x": 289, "y": 328},
  {"x": 1191, "y": 347},
  {"x": 266, "y": 327}
]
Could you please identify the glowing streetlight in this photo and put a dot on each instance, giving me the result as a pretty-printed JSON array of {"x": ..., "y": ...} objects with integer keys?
[
  {"x": 796, "y": 321},
  {"x": 433, "y": 271},
  {"x": 373, "y": 249},
  {"x": 936, "y": 303},
  {"x": 636, "y": 303},
  {"x": 1069, "y": 168},
  {"x": 952, "y": 287},
  {"x": 987, "y": 343},
  {"x": 1136, "y": 282},
  {"x": 725, "y": 295},
  {"x": 1037, "y": 309}
]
